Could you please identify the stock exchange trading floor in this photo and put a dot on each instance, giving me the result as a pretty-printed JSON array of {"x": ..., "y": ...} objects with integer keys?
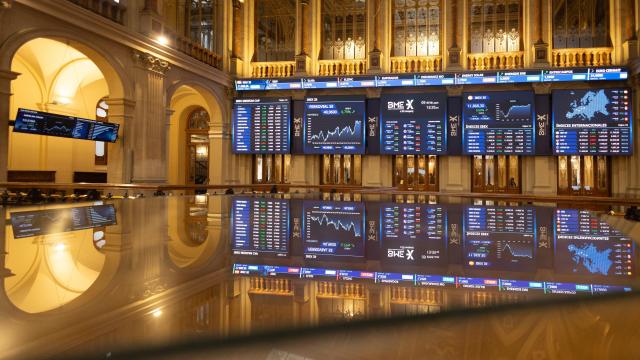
[{"x": 316, "y": 276}]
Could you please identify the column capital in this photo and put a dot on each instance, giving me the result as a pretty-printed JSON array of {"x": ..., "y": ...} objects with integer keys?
[
  {"x": 120, "y": 101},
  {"x": 150, "y": 62}
]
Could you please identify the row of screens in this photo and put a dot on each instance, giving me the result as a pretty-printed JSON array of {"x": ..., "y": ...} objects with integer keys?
[
  {"x": 43, "y": 222},
  {"x": 436, "y": 79},
  {"x": 439, "y": 281},
  {"x": 488, "y": 237},
  {"x": 588, "y": 121},
  {"x": 44, "y": 123}
]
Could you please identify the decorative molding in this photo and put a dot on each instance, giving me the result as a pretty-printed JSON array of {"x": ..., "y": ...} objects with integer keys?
[
  {"x": 5, "y": 4},
  {"x": 150, "y": 62}
]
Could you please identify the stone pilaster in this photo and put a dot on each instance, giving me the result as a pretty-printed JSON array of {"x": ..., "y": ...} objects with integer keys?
[
  {"x": 237, "y": 62},
  {"x": 121, "y": 112},
  {"x": 148, "y": 128},
  {"x": 303, "y": 61},
  {"x": 6, "y": 77}
]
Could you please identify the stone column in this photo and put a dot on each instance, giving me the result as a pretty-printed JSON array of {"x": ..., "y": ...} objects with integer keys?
[
  {"x": 540, "y": 47},
  {"x": 220, "y": 156},
  {"x": 119, "y": 164},
  {"x": 453, "y": 61},
  {"x": 238, "y": 38},
  {"x": 374, "y": 12},
  {"x": 303, "y": 42},
  {"x": 148, "y": 130},
  {"x": 6, "y": 77},
  {"x": 630, "y": 44}
]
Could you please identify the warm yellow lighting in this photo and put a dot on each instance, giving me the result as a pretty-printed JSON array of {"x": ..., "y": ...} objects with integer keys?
[
  {"x": 162, "y": 40},
  {"x": 201, "y": 150},
  {"x": 62, "y": 100},
  {"x": 156, "y": 313},
  {"x": 60, "y": 247},
  {"x": 201, "y": 199}
]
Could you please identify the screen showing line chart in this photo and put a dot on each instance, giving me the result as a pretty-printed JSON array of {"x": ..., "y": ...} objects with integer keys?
[
  {"x": 500, "y": 237},
  {"x": 334, "y": 125},
  {"x": 592, "y": 121},
  {"x": 333, "y": 229},
  {"x": 498, "y": 123}
]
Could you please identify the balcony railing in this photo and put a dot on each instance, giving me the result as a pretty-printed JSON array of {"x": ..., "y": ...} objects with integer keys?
[
  {"x": 272, "y": 69},
  {"x": 496, "y": 60},
  {"x": 581, "y": 57},
  {"x": 342, "y": 67},
  {"x": 272, "y": 286},
  {"x": 110, "y": 9},
  {"x": 409, "y": 295},
  {"x": 198, "y": 52},
  {"x": 409, "y": 64},
  {"x": 327, "y": 289}
]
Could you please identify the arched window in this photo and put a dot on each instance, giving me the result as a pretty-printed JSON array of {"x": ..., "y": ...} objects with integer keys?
[
  {"x": 201, "y": 22},
  {"x": 416, "y": 27},
  {"x": 275, "y": 30},
  {"x": 495, "y": 25},
  {"x": 580, "y": 23},
  {"x": 343, "y": 29},
  {"x": 198, "y": 147},
  {"x": 102, "y": 114}
]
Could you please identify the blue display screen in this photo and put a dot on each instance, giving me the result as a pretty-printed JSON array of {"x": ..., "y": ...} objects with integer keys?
[
  {"x": 592, "y": 121},
  {"x": 261, "y": 125},
  {"x": 334, "y": 125},
  {"x": 501, "y": 238},
  {"x": 42, "y": 222},
  {"x": 43, "y": 123},
  {"x": 587, "y": 245},
  {"x": 260, "y": 226},
  {"x": 333, "y": 229},
  {"x": 414, "y": 234},
  {"x": 497, "y": 123},
  {"x": 413, "y": 123}
]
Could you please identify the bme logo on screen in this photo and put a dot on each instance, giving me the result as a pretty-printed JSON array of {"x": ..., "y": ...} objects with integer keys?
[
  {"x": 401, "y": 253},
  {"x": 404, "y": 105}
]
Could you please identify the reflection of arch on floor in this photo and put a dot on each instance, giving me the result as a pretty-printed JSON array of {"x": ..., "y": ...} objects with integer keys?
[
  {"x": 55, "y": 273},
  {"x": 186, "y": 248},
  {"x": 183, "y": 98}
]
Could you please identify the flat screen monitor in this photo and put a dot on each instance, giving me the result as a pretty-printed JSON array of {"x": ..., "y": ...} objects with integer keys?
[
  {"x": 261, "y": 125},
  {"x": 333, "y": 229},
  {"x": 334, "y": 125},
  {"x": 52, "y": 221},
  {"x": 413, "y": 123},
  {"x": 499, "y": 238},
  {"x": 592, "y": 122},
  {"x": 498, "y": 123},
  {"x": 260, "y": 226},
  {"x": 43, "y": 123},
  {"x": 587, "y": 245},
  {"x": 414, "y": 234}
]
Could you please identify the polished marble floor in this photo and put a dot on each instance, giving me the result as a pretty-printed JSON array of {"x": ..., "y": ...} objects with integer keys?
[{"x": 318, "y": 276}]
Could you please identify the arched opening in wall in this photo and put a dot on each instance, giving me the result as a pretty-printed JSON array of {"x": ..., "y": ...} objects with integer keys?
[
  {"x": 58, "y": 78},
  {"x": 194, "y": 110}
]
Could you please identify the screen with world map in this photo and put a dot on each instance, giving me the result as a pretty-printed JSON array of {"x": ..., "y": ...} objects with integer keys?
[
  {"x": 588, "y": 245},
  {"x": 592, "y": 122}
]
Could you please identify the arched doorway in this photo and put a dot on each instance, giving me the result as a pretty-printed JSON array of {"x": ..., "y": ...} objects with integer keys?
[
  {"x": 57, "y": 77},
  {"x": 198, "y": 147}
]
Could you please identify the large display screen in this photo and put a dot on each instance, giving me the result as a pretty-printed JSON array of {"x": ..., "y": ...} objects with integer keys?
[
  {"x": 43, "y": 123},
  {"x": 498, "y": 123},
  {"x": 334, "y": 124},
  {"x": 52, "y": 221},
  {"x": 413, "y": 123},
  {"x": 414, "y": 234},
  {"x": 500, "y": 237},
  {"x": 261, "y": 125},
  {"x": 333, "y": 229},
  {"x": 592, "y": 121},
  {"x": 260, "y": 226},
  {"x": 587, "y": 245}
]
